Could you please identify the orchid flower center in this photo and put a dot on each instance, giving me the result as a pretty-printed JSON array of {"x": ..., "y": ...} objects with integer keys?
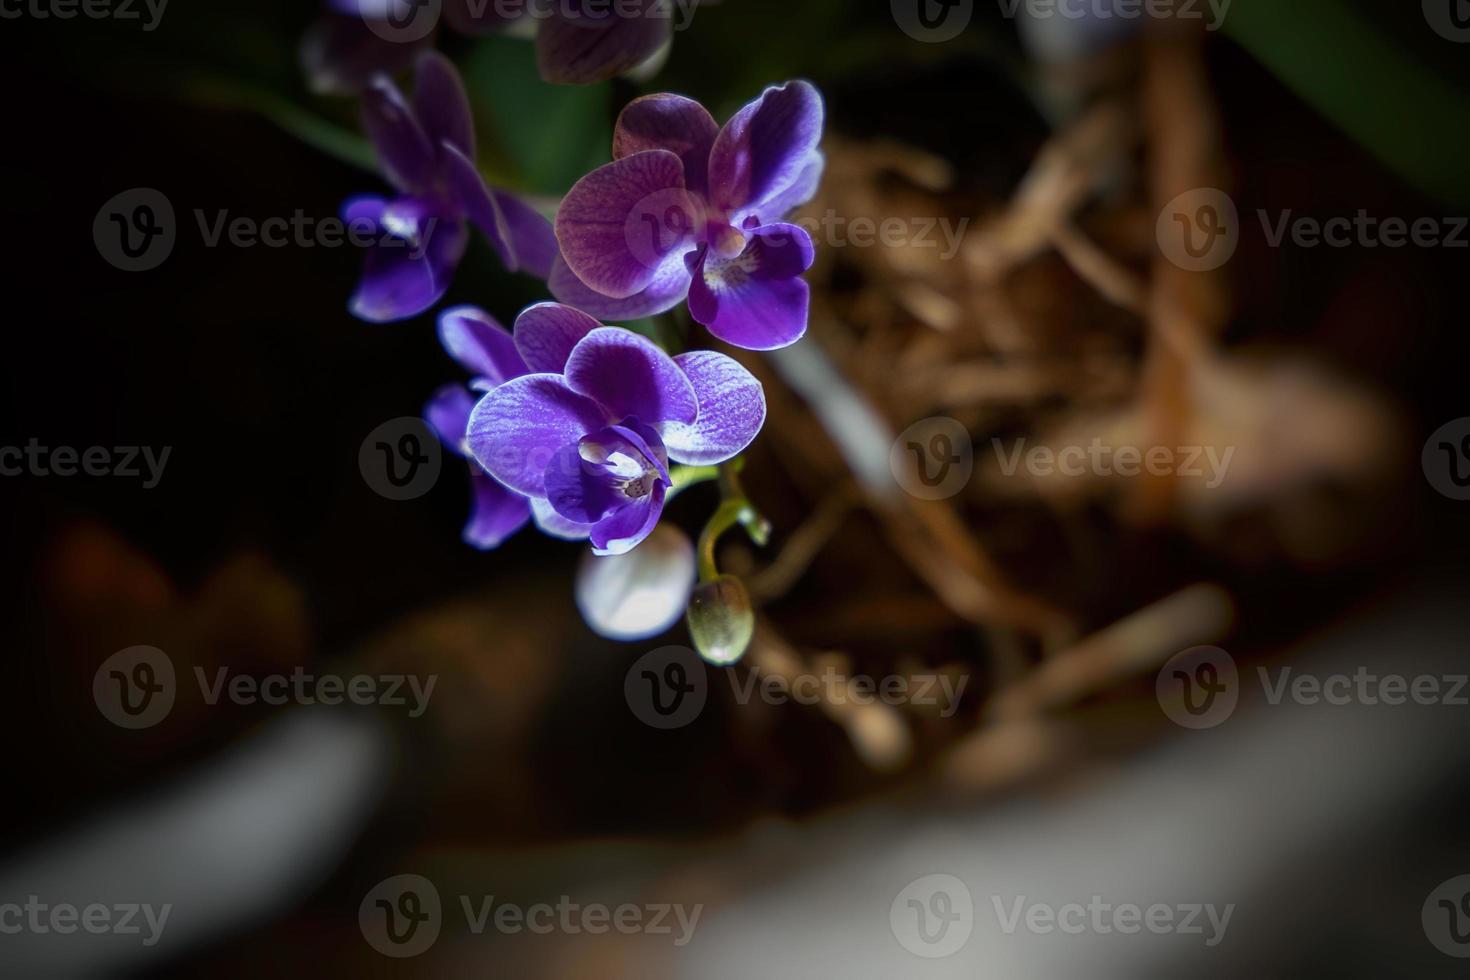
[
  {"x": 631, "y": 474},
  {"x": 727, "y": 242}
]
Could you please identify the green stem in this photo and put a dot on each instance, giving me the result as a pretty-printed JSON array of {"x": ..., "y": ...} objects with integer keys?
[
  {"x": 726, "y": 516},
  {"x": 735, "y": 508},
  {"x": 685, "y": 477}
]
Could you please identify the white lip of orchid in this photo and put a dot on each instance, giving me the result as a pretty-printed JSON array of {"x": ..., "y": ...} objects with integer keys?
[
  {"x": 400, "y": 226},
  {"x": 635, "y": 476},
  {"x": 734, "y": 272}
]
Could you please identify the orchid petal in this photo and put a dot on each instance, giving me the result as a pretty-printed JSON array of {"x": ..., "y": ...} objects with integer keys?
[
  {"x": 517, "y": 429},
  {"x": 630, "y": 375},
  {"x": 732, "y": 410}
]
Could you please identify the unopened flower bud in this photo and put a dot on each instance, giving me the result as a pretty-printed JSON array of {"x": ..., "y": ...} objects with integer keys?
[
  {"x": 639, "y": 594},
  {"x": 721, "y": 620}
]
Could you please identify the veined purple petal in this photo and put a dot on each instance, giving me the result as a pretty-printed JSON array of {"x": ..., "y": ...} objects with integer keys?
[
  {"x": 582, "y": 492},
  {"x": 758, "y": 299},
  {"x": 516, "y": 429},
  {"x": 480, "y": 345},
  {"x": 474, "y": 197},
  {"x": 404, "y": 151},
  {"x": 549, "y": 522},
  {"x": 442, "y": 105},
  {"x": 546, "y": 333},
  {"x": 401, "y": 278},
  {"x": 606, "y": 469},
  {"x": 765, "y": 147},
  {"x": 495, "y": 512},
  {"x": 618, "y": 224},
  {"x": 448, "y": 411},
  {"x": 802, "y": 190},
  {"x": 630, "y": 375},
  {"x": 624, "y": 529},
  {"x": 669, "y": 122},
  {"x": 529, "y": 233},
  {"x": 732, "y": 409},
  {"x": 578, "y": 51},
  {"x": 340, "y": 55},
  {"x": 669, "y": 287}
]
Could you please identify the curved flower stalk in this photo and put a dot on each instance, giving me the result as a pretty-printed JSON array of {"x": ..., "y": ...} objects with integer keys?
[
  {"x": 426, "y": 148},
  {"x": 577, "y": 42},
  {"x": 484, "y": 348},
  {"x": 589, "y": 436},
  {"x": 687, "y": 209}
]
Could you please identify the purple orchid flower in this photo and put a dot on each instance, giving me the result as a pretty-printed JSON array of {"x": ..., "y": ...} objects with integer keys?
[
  {"x": 427, "y": 151},
  {"x": 346, "y": 48},
  {"x": 588, "y": 436},
  {"x": 577, "y": 41},
  {"x": 687, "y": 209},
  {"x": 484, "y": 348}
]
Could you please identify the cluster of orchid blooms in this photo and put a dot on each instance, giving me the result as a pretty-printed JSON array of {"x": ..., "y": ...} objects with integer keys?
[{"x": 565, "y": 422}]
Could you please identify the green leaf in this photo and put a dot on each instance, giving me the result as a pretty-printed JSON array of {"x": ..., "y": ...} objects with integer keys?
[
  {"x": 547, "y": 136},
  {"x": 1356, "y": 75}
]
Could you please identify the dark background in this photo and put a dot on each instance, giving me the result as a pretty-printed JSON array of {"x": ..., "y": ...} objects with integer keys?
[{"x": 247, "y": 364}]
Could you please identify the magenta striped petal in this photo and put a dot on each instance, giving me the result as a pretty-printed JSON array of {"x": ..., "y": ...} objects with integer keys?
[{"x": 618, "y": 224}]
